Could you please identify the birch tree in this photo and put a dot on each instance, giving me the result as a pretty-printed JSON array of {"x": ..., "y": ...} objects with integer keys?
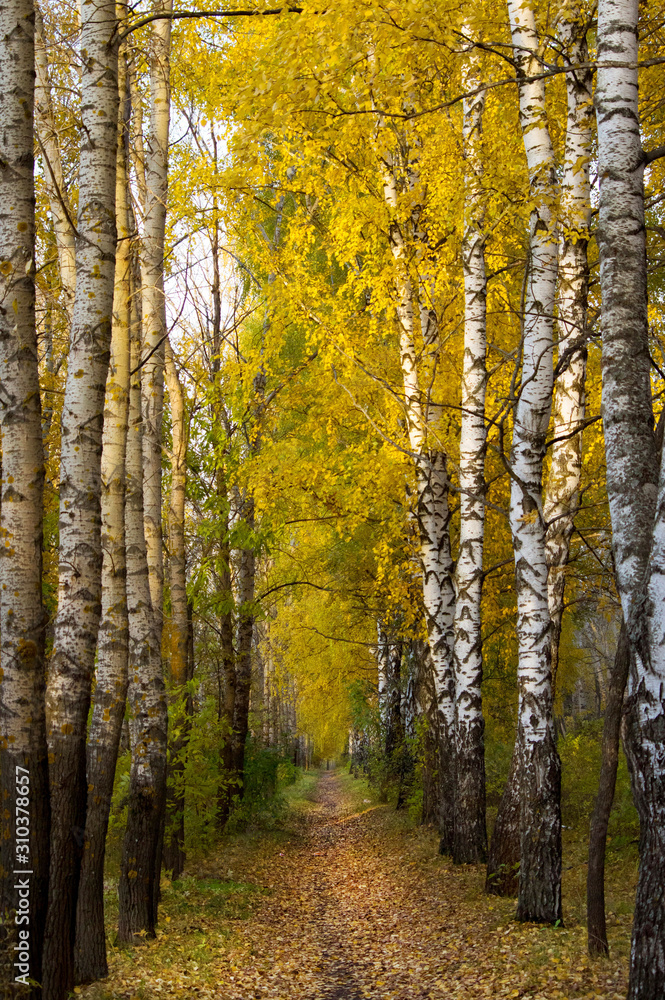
[
  {"x": 139, "y": 872},
  {"x": 470, "y": 838},
  {"x": 146, "y": 691},
  {"x": 155, "y": 182},
  {"x": 432, "y": 512},
  {"x": 23, "y": 756},
  {"x": 562, "y": 497},
  {"x": 637, "y": 498},
  {"x": 540, "y": 771},
  {"x": 80, "y": 552},
  {"x": 112, "y": 642},
  {"x": 174, "y": 856}
]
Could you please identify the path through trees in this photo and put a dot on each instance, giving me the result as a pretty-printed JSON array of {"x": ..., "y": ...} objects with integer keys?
[{"x": 345, "y": 902}]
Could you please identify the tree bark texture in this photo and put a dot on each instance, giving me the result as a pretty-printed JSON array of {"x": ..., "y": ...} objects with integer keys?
[
  {"x": 503, "y": 857},
  {"x": 600, "y": 818},
  {"x": 146, "y": 695},
  {"x": 174, "y": 844},
  {"x": 80, "y": 552},
  {"x": 23, "y": 752},
  {"x": 562, "y": 495},
  {"x": 631, "y": 454},
  {"x": 540, "y": 808},
  {"x": 470, "y": 834},
  {"x": 154, "y": 305},
  {"x": 112, "y": 641}
]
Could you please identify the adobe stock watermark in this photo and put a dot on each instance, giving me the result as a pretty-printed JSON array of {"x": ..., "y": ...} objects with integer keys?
[{"x": 22, "y": 869}]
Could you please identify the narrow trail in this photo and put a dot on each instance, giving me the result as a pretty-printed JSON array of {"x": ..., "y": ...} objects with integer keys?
[{"x": 350, "y": 907}]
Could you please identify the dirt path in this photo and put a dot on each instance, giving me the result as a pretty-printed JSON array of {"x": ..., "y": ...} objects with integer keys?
[
  {"x": 360, "y": 909},
  {"x": 359, "y": 906}
]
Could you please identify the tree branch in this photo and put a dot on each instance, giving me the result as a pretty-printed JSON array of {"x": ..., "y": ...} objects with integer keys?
[{"x": 178, "y": 14}]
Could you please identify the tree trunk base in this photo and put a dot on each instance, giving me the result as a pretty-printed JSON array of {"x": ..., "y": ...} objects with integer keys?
[
  {"x": 539, "y": 898},
  {"x": 503, "y": 861}
]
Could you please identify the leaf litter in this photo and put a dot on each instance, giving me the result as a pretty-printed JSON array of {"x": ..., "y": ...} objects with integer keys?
[{"x": 348, "y": 907}]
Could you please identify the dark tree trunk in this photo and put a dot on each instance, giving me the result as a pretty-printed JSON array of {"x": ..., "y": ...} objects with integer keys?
[
  {"x": 470, "y": 835},
  {"x": 425, "y": 698},
  {"x": 136, "y": 891},
  {"x": 595, "y": 886},
  {"x": 227, "y": 785},
  {"x": 244, "y": 668},
  {"x": 540, "y": 832},
  {"x": 643, "y": 743},
  {"x": 446, "y": 766},
  {"x": 90, "y": 962},
  {"x": 139, "y": 872},
  {"x": 503, "y": 861},
  {"x": 431, "y": 787},
  {"x": 90, "y": 949},
  {"x": 174, "y": 845},
  {"x": 67, "y": 839},
  {"x": 173, "y": 856},
  {"x": 647, "y": 957},
  {"x": 241, "y": 708}
]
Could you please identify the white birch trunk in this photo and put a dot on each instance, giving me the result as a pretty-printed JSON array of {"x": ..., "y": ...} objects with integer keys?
[
  {"x": 154, "y": 306},
  {"x": 382, "y": 669},
  {"x": 540, "y": 815},
  {"x": 562, "y": 495},
  {"x": 80, "y": 560},
  {"x": 22, "y": 722},
  {"x": 139, "y": 874},
  {"x": 112, "y": 641},
  {"x": 433, "y": 515},
  {"x": 630, "y": 450},
  {"x": 470, "y": 841},
  {"x": 177, "y": 575},
  {"x": 49, "y": 142}
]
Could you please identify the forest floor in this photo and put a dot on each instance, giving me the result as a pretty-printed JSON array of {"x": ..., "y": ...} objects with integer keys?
[{"x": 350, "y": 901}]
